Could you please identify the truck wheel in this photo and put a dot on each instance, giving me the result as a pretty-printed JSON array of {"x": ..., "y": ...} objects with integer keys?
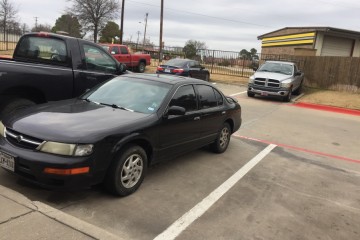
[
  {"x": 14, "y": 104},
  {"x": 298, "y": 90},
  {"x": 141, "y": 67},
  {"x": 127, "y": 172},
  {"x": 287, "y": 98},
  {"x": 250, "y": 94}
]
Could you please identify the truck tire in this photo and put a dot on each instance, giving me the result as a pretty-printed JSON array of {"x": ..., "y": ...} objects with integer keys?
[
  {"x": 14, "y": 104},
  {"x": 250, "y": 94},
  {"x": 141, "y": 67},
  {"x": 298, "y": 90},
  {"x": 287, "y": 98}
]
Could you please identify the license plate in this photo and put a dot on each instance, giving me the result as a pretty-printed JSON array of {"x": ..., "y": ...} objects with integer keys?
[
  {"x": 7, "y": 161},
  {"x": 264, "y": 93},
  {"x": 168, "y": 70}
]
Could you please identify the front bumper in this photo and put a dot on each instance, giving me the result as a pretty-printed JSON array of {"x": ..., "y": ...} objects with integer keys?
[
  {"x": 267, "y": 91},
  {"x": 30, "y": 166}
]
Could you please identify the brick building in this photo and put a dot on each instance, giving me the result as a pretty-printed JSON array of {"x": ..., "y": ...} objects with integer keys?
[{"x": 311, "y": 41}]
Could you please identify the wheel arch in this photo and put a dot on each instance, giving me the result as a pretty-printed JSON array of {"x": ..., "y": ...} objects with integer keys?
[
  {"x": 231, "y": 123},
  {"x": 29, "y": 93}
]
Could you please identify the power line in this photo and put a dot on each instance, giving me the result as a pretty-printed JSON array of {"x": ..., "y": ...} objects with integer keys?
[{"x": 203, "y": 15}]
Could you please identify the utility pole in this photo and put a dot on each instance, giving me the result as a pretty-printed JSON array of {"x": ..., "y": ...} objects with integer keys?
[
  {"x": 161, "y": 30},
  {"x": 137, "y": 42},
  {"x": 146, "y": 17},
  {"x": 36, "y": 26},
  {"x": 122, "y": 21}
]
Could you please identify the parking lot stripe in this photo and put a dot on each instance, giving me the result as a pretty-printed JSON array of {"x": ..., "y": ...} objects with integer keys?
[
  {"x": 198, "y": 210},
  {"x": 301, "y": 149},
  {"x": 239, "y": 93}
]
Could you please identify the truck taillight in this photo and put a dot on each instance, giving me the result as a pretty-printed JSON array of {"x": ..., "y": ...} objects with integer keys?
[
  {"x": 178, "y": 70},
  {"x": 160, "y": 68}
]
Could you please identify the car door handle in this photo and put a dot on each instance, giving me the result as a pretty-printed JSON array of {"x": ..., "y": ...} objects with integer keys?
[{"x": 196, "y": 118}]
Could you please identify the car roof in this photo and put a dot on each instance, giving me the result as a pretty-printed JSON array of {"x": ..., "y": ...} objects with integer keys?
[
  {"x": 164, "y": 78},
  {"x": 291, "y": 63}
]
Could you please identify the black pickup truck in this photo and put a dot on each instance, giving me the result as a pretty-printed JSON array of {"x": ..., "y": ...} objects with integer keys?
[{"x": 49, "y": 67}]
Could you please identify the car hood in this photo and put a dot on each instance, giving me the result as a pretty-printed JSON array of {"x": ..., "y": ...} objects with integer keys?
[
  {"x": 272, "y": 75},
  {"x": 74, "y": 121}
]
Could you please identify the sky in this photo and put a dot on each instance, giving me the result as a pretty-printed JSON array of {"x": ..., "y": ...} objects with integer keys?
[{"x": 229, "y": 25}]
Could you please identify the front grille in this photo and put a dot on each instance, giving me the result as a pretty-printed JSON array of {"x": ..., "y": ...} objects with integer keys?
[
  {"x": 267, "y": 82},
  {"x": 22, "y": 140}
]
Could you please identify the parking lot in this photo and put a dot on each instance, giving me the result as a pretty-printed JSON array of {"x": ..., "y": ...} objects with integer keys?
[{"x": 289, "y": 173}]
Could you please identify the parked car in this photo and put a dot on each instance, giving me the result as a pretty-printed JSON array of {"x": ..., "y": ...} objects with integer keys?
[
  {"x": 276, "y": 78},
  {"x": 184, "y": 67},
  {"x": 137, "y": 61},
  {"x": 114, "y": 131},
  {"x": 49, "y": 67}
]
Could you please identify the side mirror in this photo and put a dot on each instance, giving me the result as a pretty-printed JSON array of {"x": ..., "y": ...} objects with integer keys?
[
  {"x": 112, "y": 52},
  {"x": 255, "y": 69},
  {"x": 176, "y": 110},
  {"x": 121, "y": 68},
  {"x": 298, "y": 73}
]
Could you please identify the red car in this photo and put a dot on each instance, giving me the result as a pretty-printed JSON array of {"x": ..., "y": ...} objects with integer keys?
[{"x": 137, "y": 62}]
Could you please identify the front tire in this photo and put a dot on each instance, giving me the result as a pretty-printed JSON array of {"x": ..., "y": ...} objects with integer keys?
[
  {"x": 287, "y": 98},
  {"x": 222, "y": 141},
  {"x": 127, "y": 172},
  {"x": 250, "y": 94},
  {"x": 141, "y": 67},
  {"x": 298, "y": 90}
]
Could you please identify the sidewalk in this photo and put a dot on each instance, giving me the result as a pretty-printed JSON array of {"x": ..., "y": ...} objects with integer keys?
[{"x": 21, "y": 218}]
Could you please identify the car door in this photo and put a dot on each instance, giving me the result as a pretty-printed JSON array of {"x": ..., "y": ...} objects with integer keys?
[
  {"x": 212, "y": 112},
  {"x": 194, "y": 70},
  {"x": 179, "y": 134},
  {"x": 125, "y": 56}
]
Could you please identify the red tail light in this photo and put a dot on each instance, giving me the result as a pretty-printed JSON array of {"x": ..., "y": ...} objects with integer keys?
[
  {"x": 178, "y": 70},
  {"x": 160, "y": 68}
]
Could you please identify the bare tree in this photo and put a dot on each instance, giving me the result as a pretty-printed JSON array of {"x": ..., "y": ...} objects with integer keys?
[
  {"x": 7, "y": 13},
  {"x": 94, "y": 14}
]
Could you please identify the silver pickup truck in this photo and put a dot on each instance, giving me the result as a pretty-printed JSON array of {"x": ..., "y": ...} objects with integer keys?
[{"x": 276, "y": 78}]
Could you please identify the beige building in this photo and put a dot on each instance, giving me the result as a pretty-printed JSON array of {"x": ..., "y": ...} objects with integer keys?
[{"x": 311, "y": 41}]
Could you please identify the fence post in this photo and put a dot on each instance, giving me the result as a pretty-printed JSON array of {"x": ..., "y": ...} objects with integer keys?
[{"x": 212, "y": 62}]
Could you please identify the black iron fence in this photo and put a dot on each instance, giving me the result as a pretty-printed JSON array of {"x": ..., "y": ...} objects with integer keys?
[{"x": 8, "y": 40}]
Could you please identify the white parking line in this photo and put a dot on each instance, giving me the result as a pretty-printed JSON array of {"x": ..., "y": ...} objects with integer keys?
[
  {"x": 237, "y": 93},
  {"x": 198, "y": 210}
]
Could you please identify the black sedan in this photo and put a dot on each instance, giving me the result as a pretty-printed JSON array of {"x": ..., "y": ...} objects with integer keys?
[
  {"x": 113, "y": 132},
  {"x": 184, "y": 67}
]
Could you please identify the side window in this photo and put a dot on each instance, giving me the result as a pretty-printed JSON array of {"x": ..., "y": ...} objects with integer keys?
[
  {"x": 192, "y": 64},
  {"x": 115, "y": 50},
  {"x": 219, "y": 97},
  {"x": 185, "y": 97},
  {"x": 98, "y": 60},
  {"x": 124, "y": 50},
  {"x": 197, "y": 64},
  {"x": 47, "y": 50},
  {"x": 206, "y": 96}
]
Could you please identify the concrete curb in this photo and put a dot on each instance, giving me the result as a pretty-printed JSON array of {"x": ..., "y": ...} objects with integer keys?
[{"x": 59, "y": 216}]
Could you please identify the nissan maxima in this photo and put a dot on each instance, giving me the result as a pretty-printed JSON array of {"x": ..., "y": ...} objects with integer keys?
[{"x": 113, "y": 132}]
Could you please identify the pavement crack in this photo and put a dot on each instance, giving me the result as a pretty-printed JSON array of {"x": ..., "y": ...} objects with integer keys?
[{"x": 19, "y": 216}]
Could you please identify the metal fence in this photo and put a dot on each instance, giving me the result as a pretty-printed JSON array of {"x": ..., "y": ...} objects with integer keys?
[{"x": 8, "y": 40}]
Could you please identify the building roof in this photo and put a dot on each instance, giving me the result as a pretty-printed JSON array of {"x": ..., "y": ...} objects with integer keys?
[{"x": 337, "y": 31}]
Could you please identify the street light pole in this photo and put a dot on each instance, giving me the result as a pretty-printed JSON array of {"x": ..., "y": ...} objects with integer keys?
[
  {"x": 161, "y": 30},
  {"x": 146, "y": 17},
  {"x": 122, "y": 21}
]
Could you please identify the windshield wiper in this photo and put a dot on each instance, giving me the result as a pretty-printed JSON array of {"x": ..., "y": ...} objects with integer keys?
[
  {"x": 117, "y": 106},
  {"x": 88, "y": 100}
]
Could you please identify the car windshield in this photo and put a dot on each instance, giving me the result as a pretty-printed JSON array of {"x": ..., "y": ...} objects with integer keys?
[
  {"x": 176, "y": 62},
  {"x": 130, "y": 94},
  {"x": 283, "y": 68}
]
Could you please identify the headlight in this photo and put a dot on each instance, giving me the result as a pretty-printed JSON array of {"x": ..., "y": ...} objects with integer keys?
[
  {"x": 286, "y": 85},
  {"x": 2, "y": 129},
  {"x": 251, "y": 79},
  {"x": 66, "y": 149}
]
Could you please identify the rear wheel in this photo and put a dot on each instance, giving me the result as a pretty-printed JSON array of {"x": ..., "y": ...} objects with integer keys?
[
  {"x": 141, "y": 67},
  {"x": 222, "y": 141},
  {"x": 11, "y": 105},
  {"x": 127, "y": 172}
]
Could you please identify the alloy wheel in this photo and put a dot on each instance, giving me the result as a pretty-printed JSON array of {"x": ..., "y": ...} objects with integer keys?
[{"x": 132, "y": 171}]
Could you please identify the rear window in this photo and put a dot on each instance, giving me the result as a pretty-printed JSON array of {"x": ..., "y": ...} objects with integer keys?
[
  {"x": 42, "y": 49},
  {"x": 176, "y": 62}
]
